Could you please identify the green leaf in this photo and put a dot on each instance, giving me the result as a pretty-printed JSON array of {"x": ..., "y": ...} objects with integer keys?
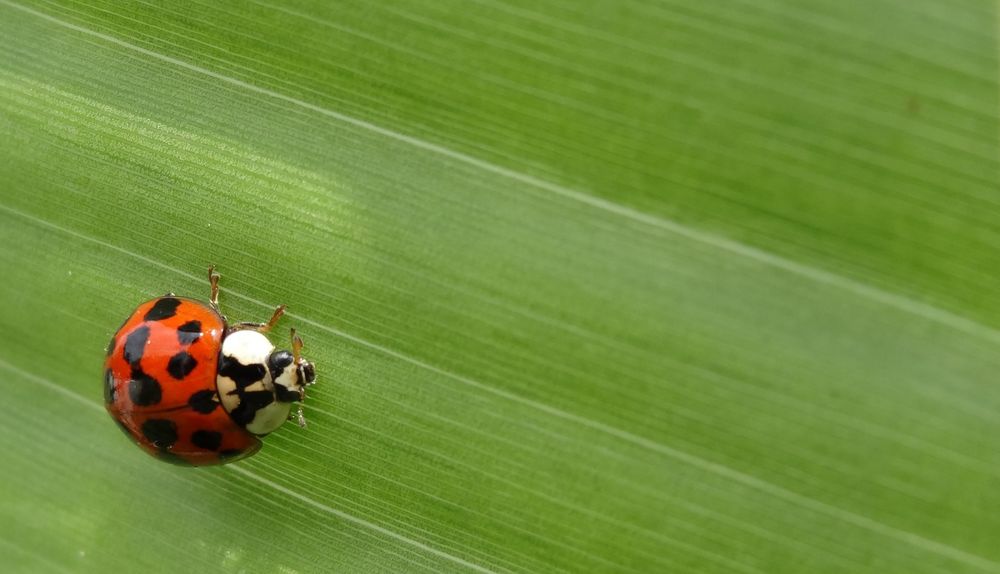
[{"x": 605, "y": 286}]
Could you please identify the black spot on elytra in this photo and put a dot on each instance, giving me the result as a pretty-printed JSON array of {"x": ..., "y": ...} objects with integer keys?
[
  {"x": 181, "y": 365},
  {"x": 231, "y": 453},
  {"x": 143, "y": 389},
  {"x": 250, "y": 403},
  {"x": 208, "y": 440},
  {"x": 135, "y": 345},
  {"x": 243, "y": 375},
  {"x": 109, "y": 387},
  {"x": 203, "y": 402},
  {"x": 164, "y": 308},
  {"x": 189, "y": 332},
  {"x": 161, "y": 432},
  {"x": 167, "y": 456}
]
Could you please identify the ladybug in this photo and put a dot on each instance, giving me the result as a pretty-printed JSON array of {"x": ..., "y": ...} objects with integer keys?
[{"x": 191, "y": 389}]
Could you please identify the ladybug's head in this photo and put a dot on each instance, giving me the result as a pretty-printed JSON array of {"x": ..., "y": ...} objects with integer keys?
[{"x": 291, "y": 374}]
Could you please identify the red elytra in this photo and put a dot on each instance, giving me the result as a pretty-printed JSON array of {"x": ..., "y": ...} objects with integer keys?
[{"x": 160, "y": 384}]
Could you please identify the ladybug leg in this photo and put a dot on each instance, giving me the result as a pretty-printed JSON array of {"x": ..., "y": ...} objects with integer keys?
[
  {"x": 298, "y": 417},
  {"x": 263, "y": 327},
  {"x": 213, "y": 281},
  {"x": 297, "y": 358}
]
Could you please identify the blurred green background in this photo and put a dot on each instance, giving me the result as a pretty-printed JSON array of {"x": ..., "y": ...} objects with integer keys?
[{"x": 603, "y": 286}]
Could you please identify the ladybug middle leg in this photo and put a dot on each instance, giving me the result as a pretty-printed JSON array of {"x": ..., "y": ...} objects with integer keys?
[
  {"x": 263, "y": 327},
  {"x": 213, "y": 281}
]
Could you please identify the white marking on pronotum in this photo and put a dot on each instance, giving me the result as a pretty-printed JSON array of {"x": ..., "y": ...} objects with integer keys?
[{"x": 248, "y": 347}]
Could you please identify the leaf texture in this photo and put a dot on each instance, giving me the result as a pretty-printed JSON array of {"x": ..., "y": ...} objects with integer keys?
[{"x": 590, "y": 287}]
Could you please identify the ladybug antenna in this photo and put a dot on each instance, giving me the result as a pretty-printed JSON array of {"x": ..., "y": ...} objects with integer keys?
[
  {"x": 306, "y": 375},
  {"x": 296, "y": 348},
  {"x": 297, "y": 357}
]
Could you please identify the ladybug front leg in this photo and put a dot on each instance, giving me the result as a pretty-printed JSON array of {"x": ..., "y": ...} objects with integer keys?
[
  {"x": 213, "y": 280},
  {"x": 298, "y": 417}
]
